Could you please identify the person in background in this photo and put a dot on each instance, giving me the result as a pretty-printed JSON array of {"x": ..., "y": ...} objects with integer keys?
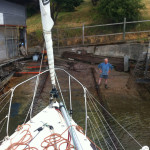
[
  {"x": 104, "y": 68},
  {"x": 23, "y": 50}
]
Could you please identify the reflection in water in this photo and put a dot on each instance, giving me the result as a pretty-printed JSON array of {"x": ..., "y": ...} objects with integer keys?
[{"x": 15, "y": 109}]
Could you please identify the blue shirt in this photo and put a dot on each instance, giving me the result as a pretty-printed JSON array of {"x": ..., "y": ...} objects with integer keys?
[{"x": 105, "y": 68}]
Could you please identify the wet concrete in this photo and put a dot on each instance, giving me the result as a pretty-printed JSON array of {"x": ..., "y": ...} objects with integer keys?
[{"x": 125, "y": 102}]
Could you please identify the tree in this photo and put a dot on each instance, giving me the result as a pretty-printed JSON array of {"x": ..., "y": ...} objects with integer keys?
[
  {"x": 63, "y": 5},
  {"x": 116, "y": 10},
  {"x": 94, "y": 2}
]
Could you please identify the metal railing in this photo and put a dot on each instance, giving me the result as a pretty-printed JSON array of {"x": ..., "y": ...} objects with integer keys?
[{"x": 101, "y": 34}]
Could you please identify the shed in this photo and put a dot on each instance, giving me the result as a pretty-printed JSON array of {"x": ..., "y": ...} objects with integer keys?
[{"x": 12, "y": 29}]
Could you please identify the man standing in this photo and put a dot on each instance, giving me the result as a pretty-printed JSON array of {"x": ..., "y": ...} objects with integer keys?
[{"x": 105, "y": 68}]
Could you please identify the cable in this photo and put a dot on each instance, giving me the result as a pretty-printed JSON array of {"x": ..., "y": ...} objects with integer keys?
[
  {"x": 36, "y": 84},
  {"x": 117, "y": 122},
  {"x": 4, "y": 97},
  {"x": 93, "y": 137},
  {"x": 96, "y": 108},
  {"x": 105, "y": 141}
]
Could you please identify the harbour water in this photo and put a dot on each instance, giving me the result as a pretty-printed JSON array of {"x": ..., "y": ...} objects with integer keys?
[{"x": 126, "y": 105}]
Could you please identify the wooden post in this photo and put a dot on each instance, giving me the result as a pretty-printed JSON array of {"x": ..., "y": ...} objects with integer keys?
[
  {"x": 147, "y": 57},
  {"x": 25, "y": 39},
  {"x": 5, "y": 34},
  {"x": 58, "y": 40},
  {"x": 124, "y": 29},
  {"x": 83, "y": 30}
]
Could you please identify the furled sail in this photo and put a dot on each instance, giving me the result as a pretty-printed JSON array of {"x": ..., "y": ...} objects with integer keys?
[{"x": 47, "y": 24}]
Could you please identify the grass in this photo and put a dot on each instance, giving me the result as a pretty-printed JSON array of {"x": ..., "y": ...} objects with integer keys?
[
  {"x": 146, "y": 11},
  {"x": 84, "y": 14}
]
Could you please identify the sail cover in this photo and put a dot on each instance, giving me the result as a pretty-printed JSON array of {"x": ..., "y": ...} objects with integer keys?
[{"x": 47, "y": 24}]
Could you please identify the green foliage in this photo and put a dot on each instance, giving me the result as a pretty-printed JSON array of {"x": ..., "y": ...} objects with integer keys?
[
  {"x": 67, "y": 5},
  {"x": 117, "y": 10},
  {"x": 70, "y": 5},
  {"x": 63, "y": 5}
]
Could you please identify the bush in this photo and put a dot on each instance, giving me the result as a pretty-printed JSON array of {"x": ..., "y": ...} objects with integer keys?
[
  {"x": 69, "y": 5},
  {"x": 117, "y": 10}
]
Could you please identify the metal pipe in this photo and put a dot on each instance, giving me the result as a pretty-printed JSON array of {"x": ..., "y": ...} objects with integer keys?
[{"x": 71, "y": 129}]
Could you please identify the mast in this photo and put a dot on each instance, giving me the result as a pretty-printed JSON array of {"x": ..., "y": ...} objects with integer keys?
[{"x": 47, "y": 24}]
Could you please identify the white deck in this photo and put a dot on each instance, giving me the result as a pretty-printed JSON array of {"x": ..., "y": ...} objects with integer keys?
[{"x": 49, "y": 116}]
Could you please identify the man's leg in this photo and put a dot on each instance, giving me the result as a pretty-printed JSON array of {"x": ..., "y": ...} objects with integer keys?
[
  {"x": 99, "y": 82},
  {"x": 106, "y": 81}
]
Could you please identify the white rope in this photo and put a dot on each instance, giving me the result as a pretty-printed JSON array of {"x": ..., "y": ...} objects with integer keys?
[
  {"x": 98, "y": 127},
  {"x": 96, "y": 108},
  {"x": 95, "y": 134},
  {"x": 116, "y": 121}
]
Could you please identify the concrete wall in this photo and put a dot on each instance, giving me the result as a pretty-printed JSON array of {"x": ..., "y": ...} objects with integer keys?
[{"x": 133, "y": 50}]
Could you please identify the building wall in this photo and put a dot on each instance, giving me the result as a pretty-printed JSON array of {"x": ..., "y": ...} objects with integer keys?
[
  {"x": 13, "y": 14},
  {"x": 9, "y": 42},
  {"x": 3, "y": 54}
]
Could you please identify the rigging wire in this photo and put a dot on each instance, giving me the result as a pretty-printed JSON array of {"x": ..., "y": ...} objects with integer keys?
[
  {"x": 4, "y": 94},
  {"x": 105, "y": 141},
  {"x": 96, "y": 108},
  {"x": 3, "y": 125},
  {"x": 4, "y": 106},
  {"x": 95, "y": 134},
  {"x": 60, "y": 91},
  {"x": 3, "y": 119},
  {"x": 116, "y": 121},
  {"x": 37, "y": 84},
  {"x": 92, "y": 97},
  {"x": 105, "y": 126},
  {"x": 5, "y": 97}
]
